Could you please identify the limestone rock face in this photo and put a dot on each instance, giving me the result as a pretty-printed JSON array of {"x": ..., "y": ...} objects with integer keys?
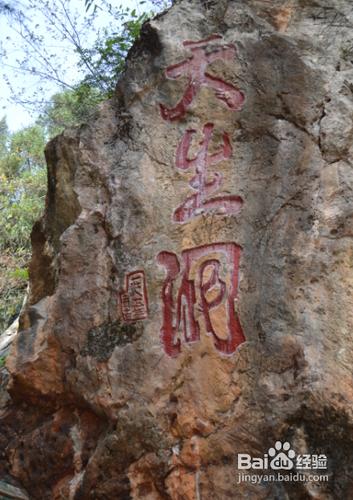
[{"x": 192, "y": 277}]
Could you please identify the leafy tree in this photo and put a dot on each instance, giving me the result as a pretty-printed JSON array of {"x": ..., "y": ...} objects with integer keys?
[
  {"x": 108, "y": 54},
  {"x": 22, "y": 194},
  {"x": 70, "y": 108},
  {"x": 24, "y": 152}
]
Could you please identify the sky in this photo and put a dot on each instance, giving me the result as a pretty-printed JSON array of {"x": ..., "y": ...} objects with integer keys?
[{"x": 25, "y": 84}]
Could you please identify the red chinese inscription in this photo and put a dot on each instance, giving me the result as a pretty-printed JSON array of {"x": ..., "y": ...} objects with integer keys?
[
  {"x": 203, "y": 290},
  {"x": 133, "y": 300},
  {"x": 194, "y": 68},
  {"x": 201, "y": 201}
]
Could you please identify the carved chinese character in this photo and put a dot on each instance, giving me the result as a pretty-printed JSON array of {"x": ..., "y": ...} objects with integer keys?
[
  {"x": 194, "y": 68},
  {"x": 133, "y": 300},
  {"x": 200, "y": 201},
  {"x": 200, "y": 295}
]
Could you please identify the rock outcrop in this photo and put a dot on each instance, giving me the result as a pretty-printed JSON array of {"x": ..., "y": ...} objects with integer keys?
[{"x": 192, "y": 276}]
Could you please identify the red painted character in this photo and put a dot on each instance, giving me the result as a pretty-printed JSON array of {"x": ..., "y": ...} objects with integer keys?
[
  {"x": 133, "y": 300},
  {"x": 194, "y": 68},
  {"x": 200, "y": 201},
  {"x": 209, "y": 285}
]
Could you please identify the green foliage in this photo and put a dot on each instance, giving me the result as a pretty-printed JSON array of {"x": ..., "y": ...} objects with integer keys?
[
  {"x": 2, "y": 361},
  {"x": 24, "y": 152},
  {"x": 12, "y": 285},
  {"x": 19, "y": 273},
  {"x": 22, "y": 194},
  {"x": 105, "y": 59},
  {"x": 108, "y": 54},
  {"x": 21, "y": 202},
  {"x": 70, "y": 108},
  {"x": 22, "y": 186},
  {"x": 105, "y": 62}
]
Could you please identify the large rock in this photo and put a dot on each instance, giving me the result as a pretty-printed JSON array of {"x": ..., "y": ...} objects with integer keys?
[{"x": 191, "y": 281}]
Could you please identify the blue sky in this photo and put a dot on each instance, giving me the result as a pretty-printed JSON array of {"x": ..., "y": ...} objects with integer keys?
[{"x": 17, "y": 115}]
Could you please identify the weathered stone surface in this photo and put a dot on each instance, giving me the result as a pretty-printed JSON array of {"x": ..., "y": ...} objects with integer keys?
[{"x": 222, "y": 172}]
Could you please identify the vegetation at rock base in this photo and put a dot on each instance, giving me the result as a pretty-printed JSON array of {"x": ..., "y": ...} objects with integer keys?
[
  {"x": 22, "y": 194},
  {"x": 22, "y": 162}
]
